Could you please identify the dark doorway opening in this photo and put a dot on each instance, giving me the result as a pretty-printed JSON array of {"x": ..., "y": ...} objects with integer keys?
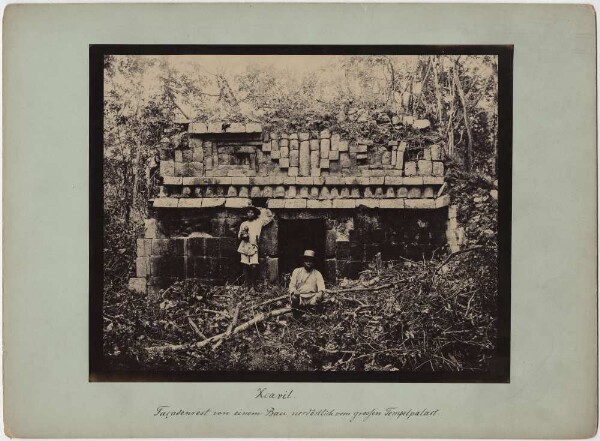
[{"x": 298, "y": 235}]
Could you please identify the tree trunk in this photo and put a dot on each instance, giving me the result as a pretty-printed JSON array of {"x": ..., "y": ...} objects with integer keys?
[{"x": 461, "y": 95}]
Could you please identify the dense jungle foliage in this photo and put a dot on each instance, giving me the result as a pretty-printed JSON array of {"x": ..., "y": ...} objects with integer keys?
[{"x": 426, "y": 315}]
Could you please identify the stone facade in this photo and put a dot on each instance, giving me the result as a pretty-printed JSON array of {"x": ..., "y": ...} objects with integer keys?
[{"x": 363, "y": 198}]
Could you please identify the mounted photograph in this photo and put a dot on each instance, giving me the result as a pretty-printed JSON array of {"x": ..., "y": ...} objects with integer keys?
[{"x": 297, "y": 213}]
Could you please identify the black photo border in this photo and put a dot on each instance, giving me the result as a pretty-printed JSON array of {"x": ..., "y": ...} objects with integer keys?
[{"x": 500, "y": 368}]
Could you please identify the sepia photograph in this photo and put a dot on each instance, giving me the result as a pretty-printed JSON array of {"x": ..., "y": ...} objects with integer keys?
[{"x": 300, "y": 213}]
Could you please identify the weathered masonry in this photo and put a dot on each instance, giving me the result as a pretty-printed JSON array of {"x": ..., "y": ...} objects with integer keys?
[{"x": 347, "y": 200}]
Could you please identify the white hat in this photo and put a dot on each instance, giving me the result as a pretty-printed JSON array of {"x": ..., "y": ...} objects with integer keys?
[{"x": 309, "y": 253}]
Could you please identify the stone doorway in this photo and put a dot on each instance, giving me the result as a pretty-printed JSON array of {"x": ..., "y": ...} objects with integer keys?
[{"x": 297, "y": 235}]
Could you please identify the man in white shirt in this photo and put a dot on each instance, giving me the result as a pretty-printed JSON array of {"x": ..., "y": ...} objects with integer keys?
[
  {"x": 306, "y": 284},
  {"x": 249, "y": 235}
]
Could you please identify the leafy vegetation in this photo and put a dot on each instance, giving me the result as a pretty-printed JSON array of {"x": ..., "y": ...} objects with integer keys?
[{"x": 427, "y": 316}]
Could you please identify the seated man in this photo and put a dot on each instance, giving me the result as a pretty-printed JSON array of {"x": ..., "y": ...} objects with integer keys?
[{"x": 306, "y": 285}]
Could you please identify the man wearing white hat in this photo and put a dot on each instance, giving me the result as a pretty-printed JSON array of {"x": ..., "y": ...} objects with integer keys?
[{"x": 306, "y": 285}]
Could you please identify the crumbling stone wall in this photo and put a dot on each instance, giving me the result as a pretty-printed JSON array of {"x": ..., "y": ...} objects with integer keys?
[{"x": 373, "y": 198}]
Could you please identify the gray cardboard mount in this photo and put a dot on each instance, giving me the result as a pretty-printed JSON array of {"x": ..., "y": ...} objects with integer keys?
[{"x": 553, "y": 387}]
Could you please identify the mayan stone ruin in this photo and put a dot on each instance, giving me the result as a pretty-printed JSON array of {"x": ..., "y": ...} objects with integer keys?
[{"x": 350, "y": 200}]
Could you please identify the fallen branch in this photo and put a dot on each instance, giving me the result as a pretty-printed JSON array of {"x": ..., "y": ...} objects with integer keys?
[
  {"x": 230, "y": 327},
  {"x": 453, "y": 255},
  {"x": 215, "y": 338},
  {"x": 266, "y": 302},
  {"x": 195, "y": 328},
  {"x": 364, "y": 288}
]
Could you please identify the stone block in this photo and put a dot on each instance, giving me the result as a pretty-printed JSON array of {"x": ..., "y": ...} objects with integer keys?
[
  {"x": 187, "y": 155},
  {"x": 436, "y": 152},
  {"x": 376, "y": 180},
  {"x": 303, "y": 193},
  {"x": 345, "y": 160},
  {"x": 172, "y": 180},
  {"x": 304, "y": 159},
  {"x": 355, "y": 193},
  {"x": 427, "y": 154},
  {"x": 444, "y": 201},
  {"x": 284, "y": 163},
  {"x": 240, "y": 180},
  {"x": 319, "y": 204},
  {"x": 410, "y": 168},
  {"x": 196, "y": 168},
  {"x": 198, "y": 267},
  {"x": 293, "y": 136},
  {"x": 237, "y": 202},
  {"x": 368, "y": 203},
  {"x": 314, "y": 159},
  {"x": 362, "y": 156},
  {"x": 142, "y": 267},
  {"x": 314, "y": 193},
  {"x": 390, "y": 192},
  {"x": 284, "y": 152},
  {"x": 334, "y": 169},
  {"x": 267, "y": 192},
  {"x": 414, "y": 192},
  {"x": 168, "y": 247},
  {"x": 438, "y": 168},
  {"x": 255, "y": 192},
  {"x": 150, "y": 229},
  {"x": 166, "y": 202},
  {"x": 294, "y": 158},
  {"x": 399, "y": 160},
  {"x": 392, "y": 203},
  {"x": 428, "y": 192},
  {"x": 318, "y": 180},
  {"x": 182, "y": 169},
  {"x": 334, "y": 155},
  {"x": 293, "y": 171},
  {"x": 268, "y": 240},
  {"x": 275, "y": 154},
  {"x": 178, "y": 156},
  {"x": 425, "y": 167},
  {"x": 304, "y": 181},
  {"x": 393, "y": 180},
  {"x": 167, "y": 168},
  {"x": 272, "y": 269},
  {"x": 344, "y": 192},
  {"x": 243, "y": 192},
  {"x": 303, "y": 136},
  {"x": 325, "y": 148},
  {"x": 198, "y": 155},
  {"x": 402, "y": 192},
  {"x": 171, "y": 266},
  {"x": 334, "y": 180},
  {"x": 344, "y": 203},
  {"x": 212, "y": 202},
  {"x": 325, "y": 134},
  {"x": 413, "y": 180},
  {"x": 190, "y": 203},
  {"x": 314, "y": 145},
  {"x": 197, "y": 127},
  {"x": 386, "y": 158},
  {"x": 324, "y": 194},
  {"x": 235, "y": 128},
  {"x": 279, "y": 192},
  {"x": 137, "y": 285},
  {"x": 433, "y": 180},
  {"x": 324, "y": 163},
  {"x": 362, "y": 148},
  {"x": 330, "y": 270},
  {"x": 419, "y": 203},
  {"x": 253, "y": 128},
  {"x": 343, "y": 145},
  {"x": 144, "y": 247},
  {"x": 276, "y": 203},
  {"x": 295, "y": 203},
  {"x": 266, "y": 146},
  {"x": 334, "y": 193}
]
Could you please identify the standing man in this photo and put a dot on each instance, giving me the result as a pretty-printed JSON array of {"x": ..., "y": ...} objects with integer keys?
[
  {"x": 306, "y": 284},
  {"x": 249, "y": 236}
]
